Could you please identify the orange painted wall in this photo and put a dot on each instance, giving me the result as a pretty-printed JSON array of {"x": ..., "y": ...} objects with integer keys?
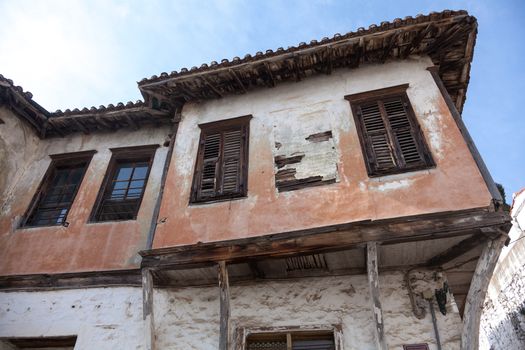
[
  {"x": 80, "y": 246},
  {"x": 454, "y": 184}
]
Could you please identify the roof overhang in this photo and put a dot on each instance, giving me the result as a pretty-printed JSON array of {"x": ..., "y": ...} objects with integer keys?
[{"x": 447, "y": 38}]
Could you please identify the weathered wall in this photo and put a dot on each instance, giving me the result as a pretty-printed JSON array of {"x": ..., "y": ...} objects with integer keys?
[
  {"x": 503, "y": 318},
  {"x": 188, "y": 318},
  {"x": 283, "y": 118},
  {"x": 81, "y": 246},
  {"x": 102, "y": 318},
  {"x": 183, "y": 315},
  {"x": 18, "y": 144}
]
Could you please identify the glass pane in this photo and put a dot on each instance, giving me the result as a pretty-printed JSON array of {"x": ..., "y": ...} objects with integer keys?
[
  {"x": 118, "y": 194},
  {"x": 124, "y": 172},
  {"x": 140, "y": 172},
  {"x": 137, "y": 184},
  {"x": 120, "y": 185},
  {"x": 134, "y": 193}
]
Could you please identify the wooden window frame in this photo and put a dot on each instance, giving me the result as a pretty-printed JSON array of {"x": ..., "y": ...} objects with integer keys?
[
  {"x": 422, "y": 346},
  {"x": 118, "y": 155},
  {"x": 222, "y": 126},
  {"x": 57, "y": 160},
  {"x": 67, "y": 341},
  {"x": 398, "y": 91},
  {"x": 243, "y": 333}
]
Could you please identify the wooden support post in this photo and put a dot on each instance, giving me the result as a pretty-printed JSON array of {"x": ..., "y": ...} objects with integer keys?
[
  {"x": 477, "y": 292},
  {"x": 373, "y": 283},
  {"x": 147, "y": 309},
  {"x": 224, "y": 288}
]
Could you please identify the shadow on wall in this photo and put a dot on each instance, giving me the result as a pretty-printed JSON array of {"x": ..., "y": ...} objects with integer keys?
[{"x": 510, "y": 332}]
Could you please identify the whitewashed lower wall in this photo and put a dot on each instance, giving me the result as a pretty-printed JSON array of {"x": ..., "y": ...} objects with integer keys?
[
  {"x": 102, "y": 318},
  {"x": 503, "y": 317},
  {"x": 187, "y": 318}
]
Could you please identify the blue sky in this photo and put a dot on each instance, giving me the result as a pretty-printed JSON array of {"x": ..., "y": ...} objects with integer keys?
[{"x": 82, "y": 53}]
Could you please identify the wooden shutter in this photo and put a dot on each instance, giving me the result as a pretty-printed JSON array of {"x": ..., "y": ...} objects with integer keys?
[
  {"x": 231, "y": 161},
  {"x": 390, "y": 136},
  {"x": 403, "y": 132},
  {"x": 379, "y": 148},
  {"x": 221, "y": 164}
]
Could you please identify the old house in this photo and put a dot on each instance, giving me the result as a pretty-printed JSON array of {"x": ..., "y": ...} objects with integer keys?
[{"x": 323, "y": 196}]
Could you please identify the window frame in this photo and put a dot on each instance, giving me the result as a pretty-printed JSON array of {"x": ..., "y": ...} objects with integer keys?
[
  {"x": 243, "y": 123},
  {"x": 243, "y": 333},
  {"x": 57, "y": 160},
  {"x": 123, "y": 154},
  {"x": 399, "y": 91}
]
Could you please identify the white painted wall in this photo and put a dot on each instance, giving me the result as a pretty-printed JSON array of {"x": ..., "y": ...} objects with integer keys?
[
  {"x": 187, "y": 318},
  {"x": 503, "y": 319}
]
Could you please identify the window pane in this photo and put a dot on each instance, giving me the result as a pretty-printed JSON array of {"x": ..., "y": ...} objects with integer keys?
[
  {"x": 57, "y": 196},
  {"x": 121, "y": 198},
  {"x": 124, "y": 173},
  {"x": 140, "y": 172}
]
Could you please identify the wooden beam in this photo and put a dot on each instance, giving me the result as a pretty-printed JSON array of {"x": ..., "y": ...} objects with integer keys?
[
  {"x": 434, "y": 71},
  {"x": 131, "y": 122},
  {"x": 87, "y": 279},
  {"x": 327, "y": 238},
  {"x": 224, "y": 290},
  {"x": 213, "y": 88},
  {"x": 238, "y": 80},
  {"x": 373, "y": 284},
  {"x": 477, "y": 292},
  {"x": 147, "y": 309},
  {"x": 414, "y": 43},
  {"x": 457, "y": 250},
  {"x": 270, "y": 74}
]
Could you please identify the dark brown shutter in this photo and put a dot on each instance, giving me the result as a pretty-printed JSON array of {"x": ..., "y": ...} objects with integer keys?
[
  {"x": 380, "y": 155},
  {"x": 231, "y": 161},
  {"x": 390, "y": 135},
  {"x": 222, "y": 161},
  {"x": 210, "y": 165},
  {"x": 403, "y": 132}
]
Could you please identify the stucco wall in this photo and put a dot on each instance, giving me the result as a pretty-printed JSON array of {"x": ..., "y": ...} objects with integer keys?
[
  {"x": 81, "y": 246},
  {"x": 503, "y": 318},
  {"x": 188, "y": 318},
  {"x": 282, "y": 118}
]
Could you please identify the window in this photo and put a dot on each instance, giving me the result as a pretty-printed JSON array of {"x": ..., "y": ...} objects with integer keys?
[
  {"x": 56, "y": 193},
  {"x": 416, "y": 347},
  {"x": 390, "y": 136},
  {"x": 222, "y": 161},
  {"x": 64, "y": 343},
  {"x": 291, "y": 341},
  {"x": 124, "y": 184}
]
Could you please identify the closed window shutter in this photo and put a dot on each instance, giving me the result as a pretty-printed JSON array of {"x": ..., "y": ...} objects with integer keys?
[
  {"x": 231, "y": 161},
  {"x": 380, "y": 154},
  {"x": 403, "y": 133},
  {"x": 391, "y": 137},
  {"x": 210, "y": 165},
  {"x": 221, "y": 168}
]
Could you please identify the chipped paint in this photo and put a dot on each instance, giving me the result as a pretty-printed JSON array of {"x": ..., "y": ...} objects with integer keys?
[
  {"x": 284, "y": 118},
  {"x": 81, "y": 246},
  {"x": 394, "y": 185}
]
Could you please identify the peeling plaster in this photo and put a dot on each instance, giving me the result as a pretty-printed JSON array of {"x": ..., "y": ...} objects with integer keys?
[{"x": 394, "y": 185}]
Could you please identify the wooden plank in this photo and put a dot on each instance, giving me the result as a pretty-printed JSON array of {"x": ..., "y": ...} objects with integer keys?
[
  {"x": 434, "y": 71},
  {"x": 373, "y": 284},
  {"x": 167, "y": 162},
  {"x": 90, "y": 279},
  {"x": 224, "y": 290},
  {"x": 477, "y": 292},
  {"x": 327, "y": 238},
  {"x": 147, "y": 309},
  {"x": 457, "y": 250}
]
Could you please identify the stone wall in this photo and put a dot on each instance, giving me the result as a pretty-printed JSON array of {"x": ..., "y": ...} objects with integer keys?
[
  {"x": 187, "y": 318},
  {"x": 503, "y": 318}
]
